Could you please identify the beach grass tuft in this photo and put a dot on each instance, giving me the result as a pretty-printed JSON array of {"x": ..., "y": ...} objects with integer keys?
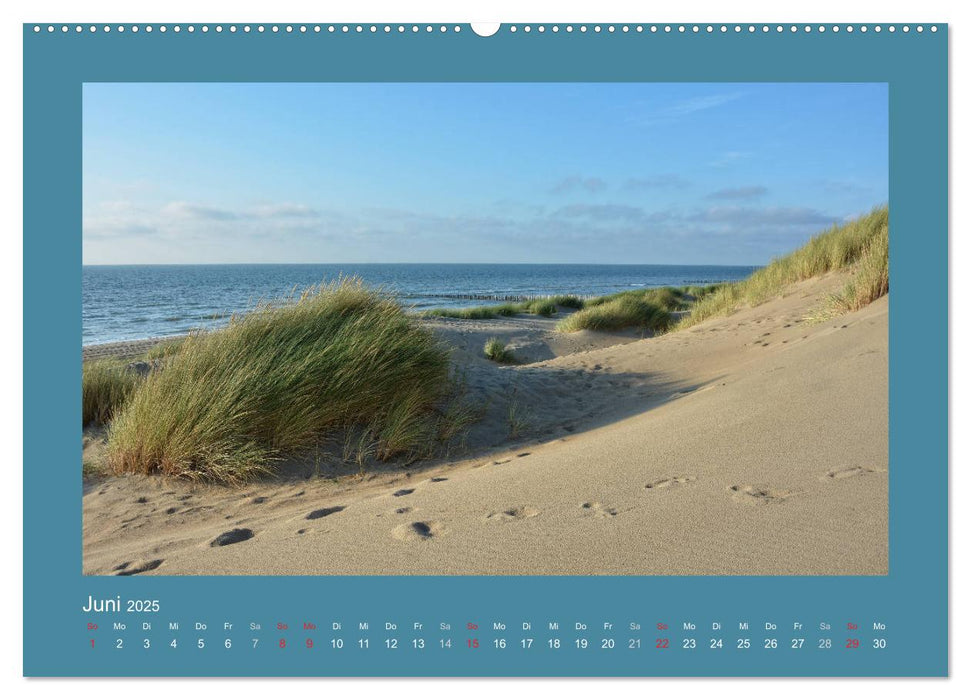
[
  {"x": 627, "y": 310},
  {"x": 495, "y": 350},
  {"x": 165, "y": 348},
  {"x": 567, "y": 301},
  {"x": 233, "y": 402},
  {"x": 106, "y": 386},
  {"x": 871, "y": 279},
  {"x": 542, "y": 307},
  {"x": 837, "y": 248}
]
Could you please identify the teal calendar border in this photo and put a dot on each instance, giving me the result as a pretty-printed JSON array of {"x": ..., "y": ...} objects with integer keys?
[{"x": 912, "y": 600}]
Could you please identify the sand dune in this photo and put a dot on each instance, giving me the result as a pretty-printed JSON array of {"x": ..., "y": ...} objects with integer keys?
[{"x": 753, "y": 444}]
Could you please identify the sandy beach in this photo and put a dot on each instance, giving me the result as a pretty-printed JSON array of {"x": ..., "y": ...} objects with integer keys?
[{"x": 749, "y": 444}]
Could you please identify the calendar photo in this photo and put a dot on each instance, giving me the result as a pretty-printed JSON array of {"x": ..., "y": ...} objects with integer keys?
[
  {"x": 545, "y": 349},
  {"x": 485, "y": 329}
]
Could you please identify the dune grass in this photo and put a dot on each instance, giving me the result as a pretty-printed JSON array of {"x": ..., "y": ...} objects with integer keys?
[
  {"x": 495, "y": 350},
  {"x": 648, "y": 309},
  {"x": 872, "y": 278},
  {"x": 106, "y": 386},
  {"x": 232, "y": 402},
  {"x": 625, "y": 311},
  {"x": 165, "y": 348},
  {"x": 837, "y": 248}
]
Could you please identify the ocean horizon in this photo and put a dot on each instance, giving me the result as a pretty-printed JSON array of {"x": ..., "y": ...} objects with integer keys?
[{"x": 129, "y": 302}]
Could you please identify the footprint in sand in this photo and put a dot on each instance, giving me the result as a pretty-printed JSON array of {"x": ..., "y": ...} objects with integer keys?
[
  {"x": 324, "y": 512},
  {"x": 403, "y": 510},
  {"x": 127, "y": 569},
  {"x": 419, "y": 531},
  {"x": 510, "y": 514},
  {"x": 835, "y": 474},
  {"x": 403, "y": 492},
  {"x": 598, "y": 509},
  {"x": 232, "y": 537},
  {"x": 758, "y": 495},
  {"x": 438, "y": 479},
  {"x": 259, "y": 499},
  {"x": 668, "y": 482}
]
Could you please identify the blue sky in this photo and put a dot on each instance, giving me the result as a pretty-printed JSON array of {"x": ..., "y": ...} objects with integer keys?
[{"x": 555, "y": 172}]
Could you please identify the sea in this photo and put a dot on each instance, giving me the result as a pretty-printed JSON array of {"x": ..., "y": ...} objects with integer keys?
[{"x": 130, "y": 302}]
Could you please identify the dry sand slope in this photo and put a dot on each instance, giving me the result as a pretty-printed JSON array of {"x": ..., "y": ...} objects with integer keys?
[{"x": 753, "y": 444}]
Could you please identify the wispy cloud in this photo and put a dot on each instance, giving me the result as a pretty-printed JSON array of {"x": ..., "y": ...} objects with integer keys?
[
  {"x": 750, "y": 192},
  {"x": 655, "y": 182},
  {"x": 600, "y": 212},
  {"x": 761, "y": 217},
  {"x": 181, "y": 220},
  {"x": 702, "y": 103},
  {"x": 188, "y": 210},
  {"x": 728, "y": 158},
  {"x": 284, "y": 211},
  {"x": 674, "y": 111},
  {"x": 575, "y": 183},
  {"x": 610, "y": 232},
  {"x": 844, "y": 187}
]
